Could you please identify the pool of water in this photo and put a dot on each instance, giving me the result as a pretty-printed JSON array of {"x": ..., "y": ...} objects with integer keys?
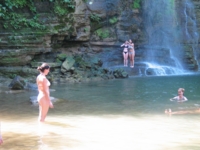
[{"x": 117, "y": 114}]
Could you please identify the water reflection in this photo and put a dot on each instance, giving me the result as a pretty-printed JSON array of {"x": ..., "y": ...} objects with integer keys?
[{"x": 119, "y": 114}]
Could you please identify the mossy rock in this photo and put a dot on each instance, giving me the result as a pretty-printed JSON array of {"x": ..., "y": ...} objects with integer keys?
[
  {"x": 51, "y": 64},
  {"x": 67, "y": 64},
  {"x": 61, "y": 56}
]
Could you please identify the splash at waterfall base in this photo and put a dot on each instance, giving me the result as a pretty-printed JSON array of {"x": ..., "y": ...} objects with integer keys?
[{"x": 171, "y": 28}]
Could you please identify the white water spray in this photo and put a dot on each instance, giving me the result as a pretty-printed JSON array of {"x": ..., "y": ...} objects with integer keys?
[{"x": 166, "y": 31}]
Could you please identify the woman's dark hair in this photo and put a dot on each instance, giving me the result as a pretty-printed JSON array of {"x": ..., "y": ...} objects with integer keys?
[{"x": 43, "y": 67}]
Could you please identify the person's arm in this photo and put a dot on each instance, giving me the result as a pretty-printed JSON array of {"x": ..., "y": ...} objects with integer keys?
[
  {"x": 46, "y": 91},
  {"x": 185, "y": 98},
  {"x": 174, "y": 98}
]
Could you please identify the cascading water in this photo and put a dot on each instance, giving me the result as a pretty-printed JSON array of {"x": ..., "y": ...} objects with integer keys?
[{"x": 167, "y": 30}]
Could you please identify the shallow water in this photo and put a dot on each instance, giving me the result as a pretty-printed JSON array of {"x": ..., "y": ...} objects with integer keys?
[{"x": 120, "y": 114}]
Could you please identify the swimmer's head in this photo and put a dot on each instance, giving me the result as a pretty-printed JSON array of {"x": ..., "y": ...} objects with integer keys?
[{"x": 181, "y": 91}]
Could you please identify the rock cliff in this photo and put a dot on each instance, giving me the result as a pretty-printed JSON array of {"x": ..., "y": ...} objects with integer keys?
[{"x": 79, "y": 38}]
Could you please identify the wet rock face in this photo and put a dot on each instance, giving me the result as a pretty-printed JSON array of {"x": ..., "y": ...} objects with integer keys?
[
  {"x": 95, "y": 28},
  {"x": 90, "y": 30}
]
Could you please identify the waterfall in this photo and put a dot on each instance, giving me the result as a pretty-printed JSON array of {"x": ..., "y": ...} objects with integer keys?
[{"x": 170, "y": 26}]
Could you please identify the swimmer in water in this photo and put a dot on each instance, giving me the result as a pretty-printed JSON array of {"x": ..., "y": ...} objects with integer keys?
[
  {"x": 180, "y": 97},
  {"x": 170, "y": 112}
]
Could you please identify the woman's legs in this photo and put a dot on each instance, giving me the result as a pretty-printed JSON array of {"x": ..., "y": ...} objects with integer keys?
[
  {"x": 125, "y": 55},
  {"x": 131, "y": 56},
  {"x": 43, "y": 110},
  {"x": 131, "y": 61},
  {"x": 124, "y": 59}
]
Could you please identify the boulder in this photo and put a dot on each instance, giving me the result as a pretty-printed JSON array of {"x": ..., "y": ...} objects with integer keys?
[
  {"x": 67, "y": 64},
  {"x": 120, "y": 73},
  {"x": 17, "y": 83}
]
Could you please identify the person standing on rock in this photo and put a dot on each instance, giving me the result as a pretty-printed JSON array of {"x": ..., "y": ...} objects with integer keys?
[
  {"x": 44, "y": 94},
  {"x": 125, "y": 53},
  {"x": 131, "y": 53}
]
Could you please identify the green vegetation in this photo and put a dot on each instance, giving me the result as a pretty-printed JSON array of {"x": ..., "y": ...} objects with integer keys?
[
  {"x": 86, "y": 29},
  {"x": 113, "y": 20},
  {"x": 136, "y": 4},
  {"x": 16, "y": 38},
  {"x": 63, "y": 7},
  {"x": 95, "y": 18},
  {"x": 61, "y": 56},
  {"x": 10, "y": 60},
  {"x": 11, "y": 12},
  {"x": 12, "y": 75},
  {"x": 16, "y": 20},
  {"x": 103, "y": 33},
  {"x": 80, "y": 62}
]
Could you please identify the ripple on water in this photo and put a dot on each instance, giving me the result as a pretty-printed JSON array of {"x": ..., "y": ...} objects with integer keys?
[{"x": 124, "y": 114}]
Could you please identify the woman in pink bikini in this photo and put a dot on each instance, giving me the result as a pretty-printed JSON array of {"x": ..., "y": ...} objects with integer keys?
[{"x": 44, "y": 94}]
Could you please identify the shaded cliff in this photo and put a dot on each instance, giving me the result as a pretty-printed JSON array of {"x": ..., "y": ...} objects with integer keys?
[
  {"x": 73, "y": 36},
  {"x": 79, "y": 38}
]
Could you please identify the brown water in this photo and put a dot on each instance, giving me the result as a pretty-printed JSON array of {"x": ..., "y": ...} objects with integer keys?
[{"x": 119, "y": 114}]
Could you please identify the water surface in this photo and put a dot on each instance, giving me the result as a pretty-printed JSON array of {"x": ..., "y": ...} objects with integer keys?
[{"x": 117, "y": 114}]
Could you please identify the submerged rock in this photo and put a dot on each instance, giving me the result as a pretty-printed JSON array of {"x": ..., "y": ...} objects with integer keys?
[
  {"x": 19, "y": 83},
  {"x": 120, "y": 73}
]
